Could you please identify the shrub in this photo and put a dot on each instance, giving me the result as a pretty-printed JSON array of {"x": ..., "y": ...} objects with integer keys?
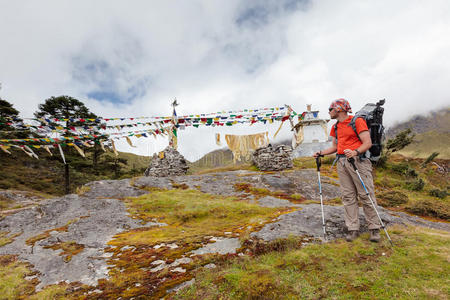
[
  {"x": 431, "y": 208},
  {"x": 400, "y": 141},
  {"x": 439, "y": 193},
  {"x": 430, "y": 159},
  {"x": 393, "y": 198},
  {"x": 404, "y": 169},
  {"x": 416, "y": 185},
  {"x": 410, "y": 172},
  {"x": 384, "y": 182},
  {"x": 400, "y": 168},
  {"x": 382, "y": 162}
]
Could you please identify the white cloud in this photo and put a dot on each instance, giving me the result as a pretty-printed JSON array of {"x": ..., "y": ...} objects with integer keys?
[{"x": 216, "y": 55}]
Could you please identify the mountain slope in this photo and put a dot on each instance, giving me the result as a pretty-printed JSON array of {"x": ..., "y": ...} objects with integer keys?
[
  {"x": 432, "y": 134},
  {"x": 46, "y": 174}
]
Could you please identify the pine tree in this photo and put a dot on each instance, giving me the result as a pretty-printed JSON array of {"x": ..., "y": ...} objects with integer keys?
[
  {"x": 66, "y": 107},
  {"x": 10, "y": 123}
]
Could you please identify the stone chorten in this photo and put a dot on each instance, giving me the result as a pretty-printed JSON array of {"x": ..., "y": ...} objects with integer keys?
[
  {"x": 166, "y": 163},
  {"x": 273, "y": 158},
  {"x": 311, "y": 132}
]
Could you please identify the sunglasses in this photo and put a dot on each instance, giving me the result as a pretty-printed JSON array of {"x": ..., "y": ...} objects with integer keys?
[{"x": 330, "y": 109}]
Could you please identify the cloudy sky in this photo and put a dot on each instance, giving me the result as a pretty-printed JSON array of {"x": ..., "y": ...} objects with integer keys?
[{"x": 131, "y": 58}]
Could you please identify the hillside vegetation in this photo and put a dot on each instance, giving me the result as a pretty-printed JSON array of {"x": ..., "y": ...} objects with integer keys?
[
  {"x": 46, "y": 175},
  {"x": 432, "y": 134}
]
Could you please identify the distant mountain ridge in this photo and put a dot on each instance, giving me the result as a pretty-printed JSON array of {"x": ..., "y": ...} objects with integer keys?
[
  {"x": 438, "y": 121},
  {"x": 432, "y": 134}
]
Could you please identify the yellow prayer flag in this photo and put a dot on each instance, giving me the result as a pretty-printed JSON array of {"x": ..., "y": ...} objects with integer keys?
[
  {"x": 5, "y": 149},
  {"x": 28, "y": 153},
  {"x": 79, "y": 150},
  {"x": 103, "y": 146},
  {"x": 47, "y": 148},
  {"x": 114, "y": 147},
  {"x": 129, "y": 142}
]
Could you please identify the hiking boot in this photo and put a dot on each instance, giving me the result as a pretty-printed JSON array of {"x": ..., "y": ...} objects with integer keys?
[
  {"x": 374, "y": 235},
  {"x": 351, "y": 235}
]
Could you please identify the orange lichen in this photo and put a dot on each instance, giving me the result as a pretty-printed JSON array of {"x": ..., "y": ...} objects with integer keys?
[
  {"x": 46, "y": 234},
  {"x": 69, "y": 249}
]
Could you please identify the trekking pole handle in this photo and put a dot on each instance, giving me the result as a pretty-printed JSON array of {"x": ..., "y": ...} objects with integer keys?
[
  {"x": 352, "y": 161},
  {"x": 318, "y": 162}
]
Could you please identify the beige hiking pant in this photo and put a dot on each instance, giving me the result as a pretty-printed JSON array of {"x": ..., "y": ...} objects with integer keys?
[{"x": 352, "y": 189}]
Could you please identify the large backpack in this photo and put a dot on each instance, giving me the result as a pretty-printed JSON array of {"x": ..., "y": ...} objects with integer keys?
[{"x": 373, "y": 115}]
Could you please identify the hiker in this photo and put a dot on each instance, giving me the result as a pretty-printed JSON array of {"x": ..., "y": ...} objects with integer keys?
[{"x": 347, "y": 144}]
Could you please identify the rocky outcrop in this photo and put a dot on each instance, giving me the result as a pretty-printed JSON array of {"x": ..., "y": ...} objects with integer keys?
[
  {"x": 273, "y": 158},
  {"x": 302, "y": 182},
  {"x": 167, "y": 163},
  {"x": 90, "y": 222},
  {"x": 308, "y": 222},
  {"x": 92, "y": 219}
]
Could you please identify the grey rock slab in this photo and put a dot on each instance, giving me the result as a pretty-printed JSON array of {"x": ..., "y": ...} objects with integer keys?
[
  {"x": 216, "y": 184},
  {"x": 181, "y": 261},
  {"x": 112, "y": 189},
  {"x": 221, "y": 246},
  {"x": 19, "y": 199},
  {"x": 278, "y": 182},
  {"x": 181, "y": 286},
  {"x": 179, "y": 269},
  {"x": 306, "y": 183},
  {"x": 308, "y": 222},
  {"x": 152, "y": 181},
  {"x": 210, "y": 266},
  {"x": 94, "y": 223},
  {"x": 270, "y": 201}
]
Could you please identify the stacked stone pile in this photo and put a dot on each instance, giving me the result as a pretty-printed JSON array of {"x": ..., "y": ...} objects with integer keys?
[
  {"x": 273, "y": 158},
  {"x": 166, "y": 163}
]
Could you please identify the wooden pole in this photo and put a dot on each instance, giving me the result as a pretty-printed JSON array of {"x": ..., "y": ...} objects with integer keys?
[{"x": 67, "y": 178}]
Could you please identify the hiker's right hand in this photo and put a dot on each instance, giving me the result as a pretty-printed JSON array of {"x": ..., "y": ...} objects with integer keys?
[{"x": 317, "y": 154}]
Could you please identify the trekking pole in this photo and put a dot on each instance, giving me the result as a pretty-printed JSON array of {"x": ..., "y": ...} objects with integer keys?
[
  {"x": 352, "y": 161},
  {"x": 319, "y": 163}
]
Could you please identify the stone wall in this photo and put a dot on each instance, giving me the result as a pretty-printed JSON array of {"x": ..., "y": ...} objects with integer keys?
[
  {"x": 273, "y": 158},
  {"x": 166, "y": 163}
]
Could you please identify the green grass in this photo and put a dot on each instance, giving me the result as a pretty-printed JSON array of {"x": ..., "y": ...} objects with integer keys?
[
  {"x": 5, "y": 239},
  {"x": 134, "y": 162},
  {"x": 417, "y": 267},
  {"x": 12, "y": 278},
  {"x": 190, "y": 214}
]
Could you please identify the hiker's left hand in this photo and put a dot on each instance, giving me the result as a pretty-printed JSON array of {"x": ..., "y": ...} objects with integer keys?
[{"x": 350, "y": 153}]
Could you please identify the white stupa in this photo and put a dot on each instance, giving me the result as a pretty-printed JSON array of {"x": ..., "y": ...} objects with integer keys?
[{"x": 311, "y": 133}]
